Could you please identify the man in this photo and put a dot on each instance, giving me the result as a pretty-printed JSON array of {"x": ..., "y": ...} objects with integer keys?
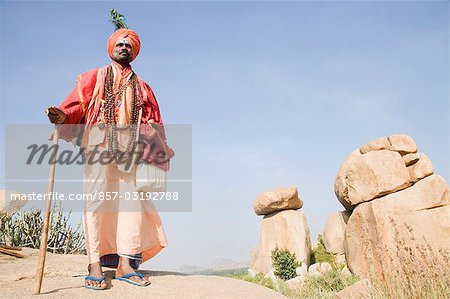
[{"x": 116, "y": 106}]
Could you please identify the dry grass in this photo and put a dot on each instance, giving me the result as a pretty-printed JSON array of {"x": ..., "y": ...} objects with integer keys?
[
  {"x": 323, "y": 286},
  {"x": 313, "y": 287},
  {"x": 404, "y": 267},
  {"x": 414, "y": 270}
]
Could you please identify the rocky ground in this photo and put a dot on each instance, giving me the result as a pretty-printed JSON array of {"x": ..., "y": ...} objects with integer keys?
[{"x": 64, "y": 278}]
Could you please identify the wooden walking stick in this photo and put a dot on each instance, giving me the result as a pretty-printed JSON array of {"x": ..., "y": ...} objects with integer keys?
[{"x": 44, "y": 235}]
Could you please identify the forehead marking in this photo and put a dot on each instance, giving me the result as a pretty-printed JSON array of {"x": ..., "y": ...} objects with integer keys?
[{"x": 123, "y": 41}]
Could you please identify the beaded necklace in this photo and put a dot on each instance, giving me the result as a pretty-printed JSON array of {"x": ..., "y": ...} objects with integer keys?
[{"x": 109, "y": 113}]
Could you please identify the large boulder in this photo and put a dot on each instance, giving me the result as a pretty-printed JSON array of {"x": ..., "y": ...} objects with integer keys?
[
  {"x": 277, "y": 200},
  {"x": 380, "y": 231},
  {"x": 333, "y": 234},
  {"x": 364, "y": 177},
  {"x": 286, "y": 229}
]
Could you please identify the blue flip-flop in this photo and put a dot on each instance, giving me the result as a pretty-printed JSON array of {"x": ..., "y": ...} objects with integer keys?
[
  {"x": 100, "y": 280},
  {"x": 126, "y": 278}
]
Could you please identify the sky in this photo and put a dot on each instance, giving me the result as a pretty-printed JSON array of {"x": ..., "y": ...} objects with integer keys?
[{"x": 277, "y": 93}]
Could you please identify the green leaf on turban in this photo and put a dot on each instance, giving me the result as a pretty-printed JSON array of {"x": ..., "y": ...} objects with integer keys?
[{"x": 117, "y": 19}]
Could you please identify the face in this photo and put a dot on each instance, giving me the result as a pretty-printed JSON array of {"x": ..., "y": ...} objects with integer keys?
[{"x": 123, "y": 53}]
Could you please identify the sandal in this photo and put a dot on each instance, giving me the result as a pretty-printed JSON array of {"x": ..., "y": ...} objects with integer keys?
[
  {"x": 100, "y": 280},
  {"x": 126, "y": 278}
]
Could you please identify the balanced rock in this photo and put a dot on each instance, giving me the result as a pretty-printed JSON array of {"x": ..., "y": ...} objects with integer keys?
[
  {"x": 363, "y": 177},
  {"x": 285, "y": 230},
  {"x": 277, "y": 200},
  {"x": 380, "y": 230},
  {"x": 333, "y": 234}
]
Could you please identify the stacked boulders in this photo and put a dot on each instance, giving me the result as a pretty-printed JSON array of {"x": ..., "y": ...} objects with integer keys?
[
  {"x": 283, "y": 226},
  {"x": 395, "y": 201}
]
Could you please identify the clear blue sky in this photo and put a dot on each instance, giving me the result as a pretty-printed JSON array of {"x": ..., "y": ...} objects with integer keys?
[{"x": 278, "y": 93}]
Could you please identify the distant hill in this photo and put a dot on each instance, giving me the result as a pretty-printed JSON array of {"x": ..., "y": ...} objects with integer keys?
[{"x": 221, "y": 267}]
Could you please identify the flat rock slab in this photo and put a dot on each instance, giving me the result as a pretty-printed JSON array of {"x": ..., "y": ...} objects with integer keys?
[{"x": 64, "y": 278}]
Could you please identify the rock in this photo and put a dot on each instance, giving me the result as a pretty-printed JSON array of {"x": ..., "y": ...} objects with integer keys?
[
  {"x": 360, "y": 290},
  {"x": 379, "y": 230},
  {"x": 362, "y": 178},
  {"x": 295, "y": 283},
  {"x": 319, "y": 269},
  {"x": 271, "y": 275},
  {"x": 10, "y": 202},
  {"x": 253, "y": 254},
  {"x": 277, "y": 200},
  {"x": 333, "y": 233},
  {"x": 345, "y": 271},
  {"x": 252, "y": 272},
  {"x": 64, "y": 277},
  {"x": 410, "y": 159},
  {"x": 340, "y": 258},
  {"x": 403, "y": 144},
  {"x": 302, "y": 271},
  {"x": 422, "y": 168},
  {"x": 285, "y": 229},
  {"x": 375, "y": 145}
]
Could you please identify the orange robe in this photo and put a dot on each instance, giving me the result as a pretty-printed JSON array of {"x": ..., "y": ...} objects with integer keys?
[{"x": 119, "y": 226}]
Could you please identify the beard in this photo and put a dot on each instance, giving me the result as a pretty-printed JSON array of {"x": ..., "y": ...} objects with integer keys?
[{"x": 121, "y": 58}]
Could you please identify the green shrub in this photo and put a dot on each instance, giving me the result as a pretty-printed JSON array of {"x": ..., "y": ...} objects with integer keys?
[
  {"x": 284, "y": 263},
  {"x": 25, "y": 228},
  {"x": 280, "y": 286},
  {"x": 258, "y": 279},
  {"x": 320, "y": 255},
  {"x": 314, "y": 287},
  {"x": 325, "y": 285}
]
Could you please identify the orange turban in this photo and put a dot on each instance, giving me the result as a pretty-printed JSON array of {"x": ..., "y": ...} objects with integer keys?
[{"x": 131, "y": 35}]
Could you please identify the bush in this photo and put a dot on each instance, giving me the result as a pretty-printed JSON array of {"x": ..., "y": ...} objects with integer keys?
[
  {"x": 314, "y": 287},
  {"x": 25, "y": 228},
  {"x": 320, "y": 255},
  {"x": 280, "y": 286},
  {"x": 258, "y": 279},
  {"x": 284, "y": 263},
  {"x": 324, "y": 286}
]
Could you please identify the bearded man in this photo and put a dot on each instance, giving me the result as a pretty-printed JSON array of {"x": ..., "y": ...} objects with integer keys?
[{"x": 116, "y": 105}]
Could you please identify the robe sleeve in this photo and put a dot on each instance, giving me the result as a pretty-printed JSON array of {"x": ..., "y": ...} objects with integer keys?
[
  {"x": 150, "y": 108},
  {"x": 74, "y": 106},
  {"x": 154, "y": 136}
]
